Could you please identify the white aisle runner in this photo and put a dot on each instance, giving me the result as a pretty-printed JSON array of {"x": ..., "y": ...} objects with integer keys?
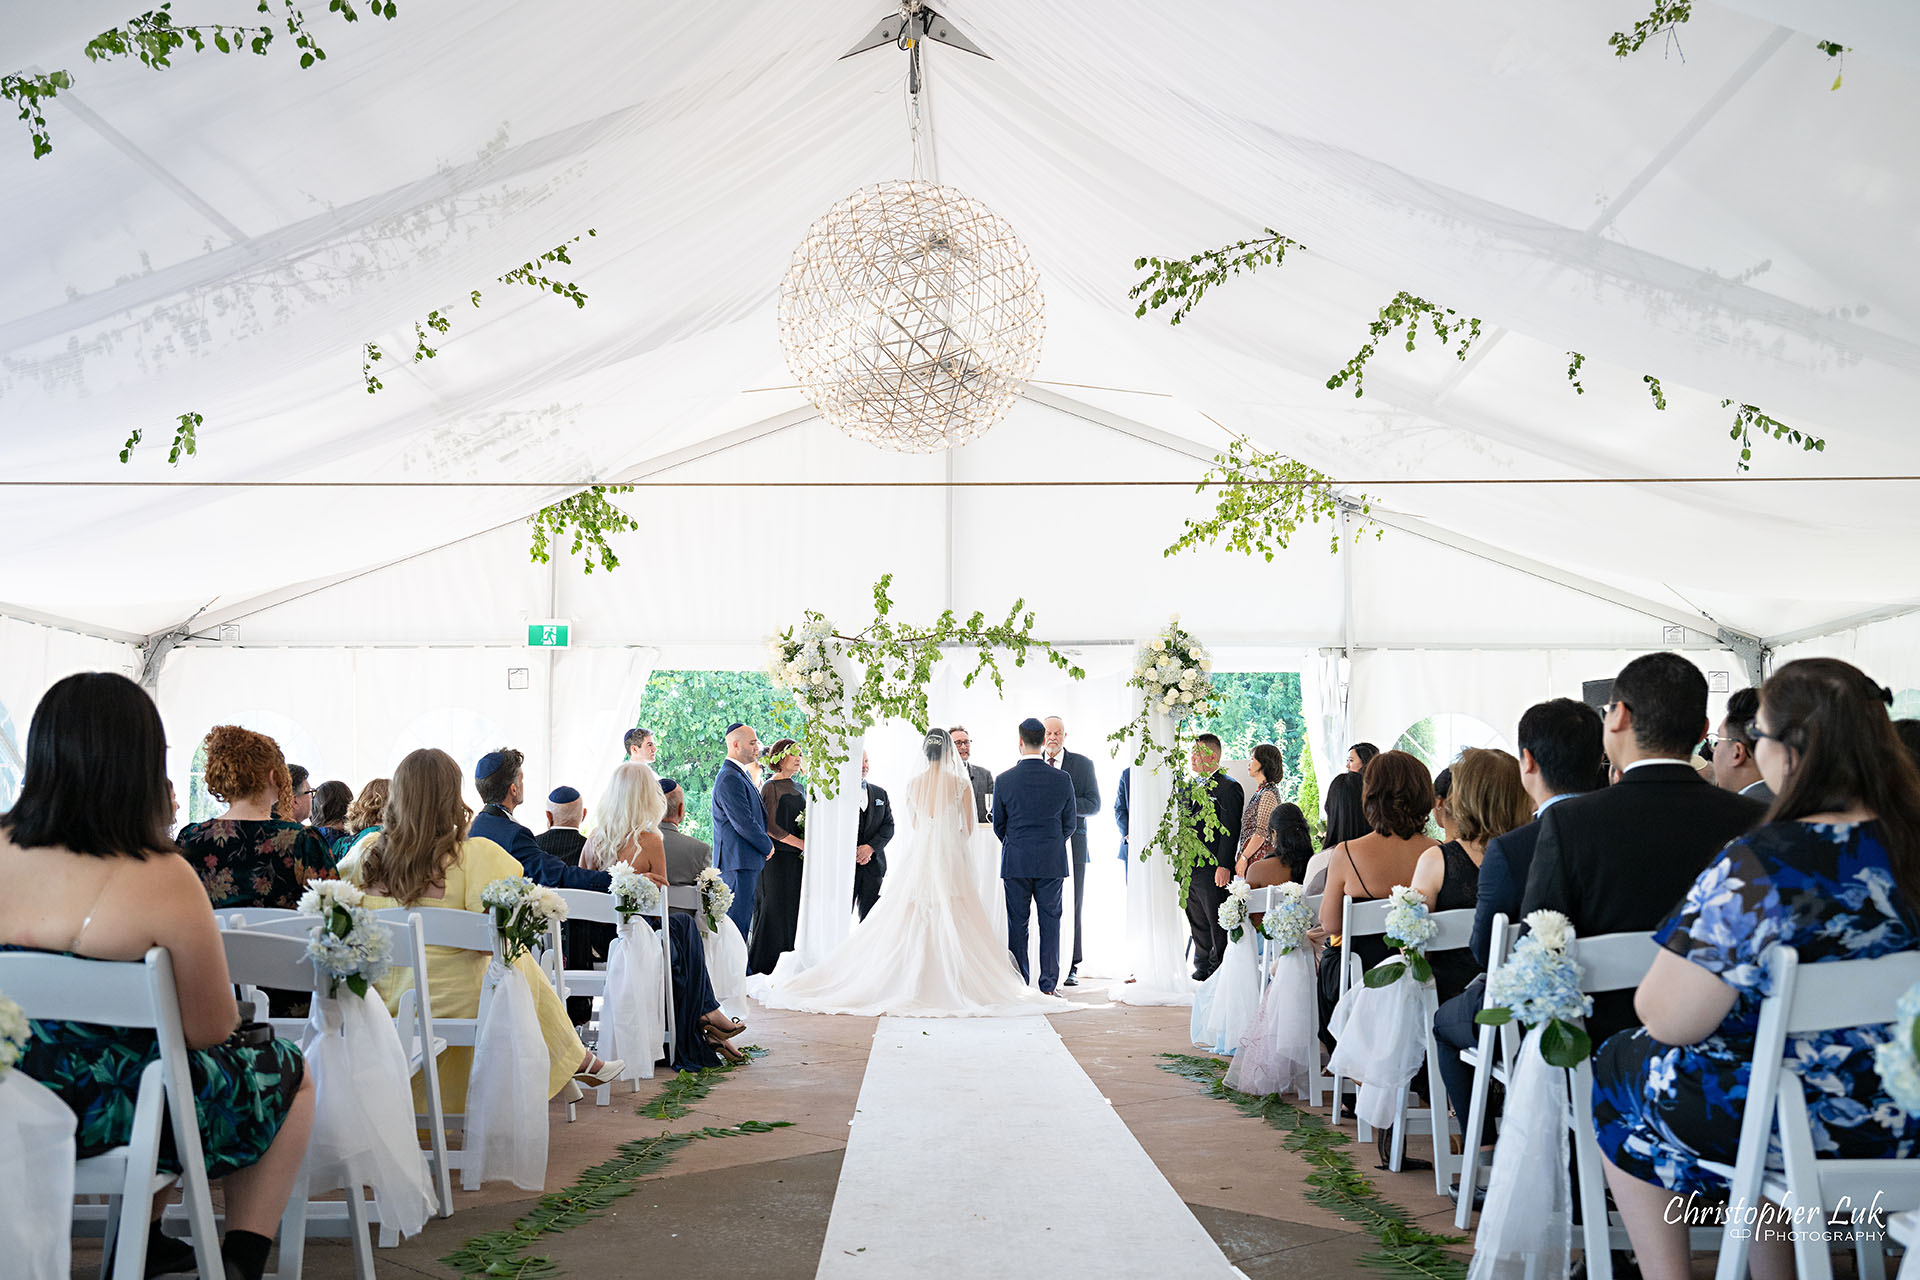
[{"x": 980, "y": 1148}]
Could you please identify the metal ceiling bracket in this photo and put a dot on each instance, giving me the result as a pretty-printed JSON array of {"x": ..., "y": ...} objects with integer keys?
[{"x": 914, "y": 22}]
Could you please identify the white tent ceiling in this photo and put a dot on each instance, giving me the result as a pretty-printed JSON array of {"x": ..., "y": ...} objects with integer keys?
[{"x": 225, "y": 235}]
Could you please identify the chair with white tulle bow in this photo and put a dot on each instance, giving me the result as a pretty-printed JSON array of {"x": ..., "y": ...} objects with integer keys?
[
  {"x": 596, "y": 907},
  {"x": 1490, "y": 1060},
  {"x": 136, "y": 994},
  {"x": 1260, "y": 902}
]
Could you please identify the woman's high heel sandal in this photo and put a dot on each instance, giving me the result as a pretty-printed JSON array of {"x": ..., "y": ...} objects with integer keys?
[
  {"x": 727, "y": 1028},
  {"x": 724, "y": 1046},
  {"x": 607, "y": 1074}
]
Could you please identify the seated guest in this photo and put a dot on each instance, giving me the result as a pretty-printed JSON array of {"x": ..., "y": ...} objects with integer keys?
[
  {"x": 1909, "y": 733},
  {"x": 299, "y": 806},
  {"x": 1731, "y": 750},
  {"x": 1617, "y": 861},
  {"x": 331, "y": 801},
  {"x": 1485, "y": 800},
  {"x": 502, "y": 785},
  {"x": 1559, "y": 756},
  {"x": 870, "y": 842},
  {"x": 246, "y": 857},
  {"x": 687, "y": 857},
  {"x": 1346, "y": 820},
  {"x": 629, "y": 831},
  {"x": 1397, "y": 798},
  {"x": 1266, "y": 770},
  {"x": 562, "y": 838},
  {"x": 640, "y": 746},
  {"x": 364, "y": 816},
  {"x": 1836, "y": 876},
  {"x": 1291, "y": 845},
  {"x": 90, "y": 872},
  {"x": 1359, "y": 755},
  {"x": 426, "y": 857}
]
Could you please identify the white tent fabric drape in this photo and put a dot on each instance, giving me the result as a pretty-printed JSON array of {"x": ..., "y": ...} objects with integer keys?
[
  {"x": 1157, "y": 936},
  {"x": 826, "y": 873}
]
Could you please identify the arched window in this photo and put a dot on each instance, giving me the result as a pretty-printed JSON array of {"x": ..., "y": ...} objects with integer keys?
[
  {"x": 461, "y": 732},
  {"x": 1439, "y": 739},
  {"x": 296, "y": 745}
]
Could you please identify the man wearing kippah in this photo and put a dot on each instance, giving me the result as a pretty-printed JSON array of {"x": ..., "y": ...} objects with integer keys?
[
  {"x": 686, "y": 856},
  {"x": 741, "y": 844},
  {"x": 502, "y": 786},
  {"x": 562, "y": 838}
]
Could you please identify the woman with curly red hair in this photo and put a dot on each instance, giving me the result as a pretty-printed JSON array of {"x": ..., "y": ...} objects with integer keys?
[{"x": 246, "y": 857}]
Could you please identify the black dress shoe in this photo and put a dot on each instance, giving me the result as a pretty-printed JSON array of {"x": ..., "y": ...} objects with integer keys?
[{"x": 1072, "y": 979}]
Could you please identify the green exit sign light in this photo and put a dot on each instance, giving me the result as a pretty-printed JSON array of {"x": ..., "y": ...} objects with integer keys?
[{"x": 551, "y": 634}]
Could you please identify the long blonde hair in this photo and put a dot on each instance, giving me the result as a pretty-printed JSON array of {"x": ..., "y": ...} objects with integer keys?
[
  {"x": 632, "y": 804},
  {"x": 426, "y": 821}
]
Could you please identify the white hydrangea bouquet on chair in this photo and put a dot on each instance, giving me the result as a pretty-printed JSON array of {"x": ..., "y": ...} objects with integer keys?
[
  {"x": 507, "y": 1089},
  {"x": 1526, "y": 1224},
  {"x": 633, "y": 1015},
  {"x": 1233, "y": 911},
  {"x": 1225, "y": 1004},
  {"x": 363, "y": 1103},
  {"x": 36, "y": 1175},
  {"x": 716, "y": 899},
  {"x": 726, "y": 949},
  {"x": 1381, "y": 1025}
]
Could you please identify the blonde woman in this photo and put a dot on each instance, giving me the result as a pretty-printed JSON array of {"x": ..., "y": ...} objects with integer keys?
[
  {"x": 628, "y": 830},
  {"x": 424, "y": 858},
  {"x": 364, "y": 817}
]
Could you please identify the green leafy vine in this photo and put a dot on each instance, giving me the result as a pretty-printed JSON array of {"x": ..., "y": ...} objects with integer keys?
[
  {"x": 1186, "y": 280},
  {"x": 589, "y": 517},
  {"x": 184, "y": 443},
  {"x": 1264, "y": 498},
  {"x": 1405, "y": 310},
  {"x": 503, "y": 1253},
  {"x": 1405, "y": 1250},
  {"x": 1749, "y": 418},
  {"x": 1667, "y": 15},
  {"x": 440, "y": 320},
  {"x": 688, "y": 1088},
  {"x": 892, "y": 663},
  {"x": 27, "y": 92},
  {"x": 1173, "y": 673}
]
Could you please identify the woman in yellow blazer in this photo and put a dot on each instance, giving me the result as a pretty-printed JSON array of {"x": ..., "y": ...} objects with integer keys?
[{"x": 424, "y": 858}]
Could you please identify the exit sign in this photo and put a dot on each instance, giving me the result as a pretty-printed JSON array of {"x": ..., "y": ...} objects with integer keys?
[{"x": 551, "y": 634}]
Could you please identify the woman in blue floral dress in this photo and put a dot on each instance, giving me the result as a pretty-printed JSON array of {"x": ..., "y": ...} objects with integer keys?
[{"x": 1835, "y": 874}]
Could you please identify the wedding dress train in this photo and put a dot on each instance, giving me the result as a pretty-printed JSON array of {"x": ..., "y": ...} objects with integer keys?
[{"x": 928, "y": 948}]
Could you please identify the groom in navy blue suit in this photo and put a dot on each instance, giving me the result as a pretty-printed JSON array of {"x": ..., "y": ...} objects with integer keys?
[{"x": 1034, "y": 815}]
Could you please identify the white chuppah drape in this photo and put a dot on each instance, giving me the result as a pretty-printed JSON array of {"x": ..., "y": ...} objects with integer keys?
[
  {"x": 826, "y": 873},
  {"x": 1156, "y": 950}
]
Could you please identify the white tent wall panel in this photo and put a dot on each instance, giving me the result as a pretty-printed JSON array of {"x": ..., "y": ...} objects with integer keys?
[
  {"x": 34, "y": 657},
  {"x": 1888, "y": 651}
]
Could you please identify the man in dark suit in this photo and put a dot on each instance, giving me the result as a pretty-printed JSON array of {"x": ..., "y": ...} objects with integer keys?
[
  {"x": 502, "y": 786},
  {"x": 741, "y": 844},
  {"x": 562, "y": 838},
  {"x": 1208, "y": 887},
  {"x": 870, "y": 845},
  {"x": 1034, "y": 816},
  {"x": 1086, "y": 799},
  {"x": 686, "y": 856},
  {"x": 981, "y": 779},
  {"x": 1620, "y": 860},
  {"x": 1731, "y": 750},
  {"x": 1559, "y": 756}
]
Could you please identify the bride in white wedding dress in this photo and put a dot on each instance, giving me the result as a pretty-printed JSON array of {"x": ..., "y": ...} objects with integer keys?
[{"x": 927, "y": 949}]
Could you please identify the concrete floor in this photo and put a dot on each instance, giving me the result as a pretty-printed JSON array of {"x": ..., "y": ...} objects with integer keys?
[{"x": 757, "y": 1206}]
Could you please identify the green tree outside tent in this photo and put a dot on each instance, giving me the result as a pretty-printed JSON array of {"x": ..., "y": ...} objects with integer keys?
[{"x": 689, "y": 711}]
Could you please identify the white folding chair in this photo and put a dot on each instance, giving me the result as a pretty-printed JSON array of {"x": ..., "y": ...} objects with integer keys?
[
  {"x": 1452, "y": 930},
  {"x": 597, "y": 908},
  {"x": 1490, "y": 1060},
  {"x": 134, "y": 995},
  {"x": 254, "y": 917},
  {"x": 1807, "y": 998},
  {"x": 1357, "y": 919}
]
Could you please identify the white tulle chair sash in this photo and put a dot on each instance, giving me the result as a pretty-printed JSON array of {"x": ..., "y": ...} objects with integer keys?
[
  {"x": 36, "y": 1179},
  {"x": 726, "y": 958},
  {"x": 633, "y": 1015},
  {"x": 1281, "y": 1047},
  {"x": 1382, "y": 1040},
  {"x": 363, "y": 1125},
  {"x": 506, "y": 1117},
  {"x": 1526, "y": 1227},
  {"x": 1225, "y": 1004}
]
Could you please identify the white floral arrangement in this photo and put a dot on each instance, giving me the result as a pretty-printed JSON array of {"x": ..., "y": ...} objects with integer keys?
[
  {"x": 1409, "y": 930},
  {"x": 1539, "y": 986},
  {"x": 716, "y": 898},
  {"x": 522, "y": 912},
  {"x": 1898, "y": 1060},
  {"x": 801, "y": 661},
  {"x": 1175, "y": 672},
  {"x": 633, "y": 893},
  {"x": 15, "y": 1031},
  {"x": 1289, "y": 919},
  {"x": 346, "y": 943},
  {"x": 1233, "y": 912}
]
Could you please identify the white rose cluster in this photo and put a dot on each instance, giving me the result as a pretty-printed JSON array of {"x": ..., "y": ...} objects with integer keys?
[
  {"x": 522, "y": 912},
  {"x": 1233, "y": 912},
  {"x": 346, "y": 942},
  {"x": 801, "y": 662},
  {"x": 1408, "y": 926},
  {"x": 1175, "y": 672},
  {"x": 716, "y": 897}
]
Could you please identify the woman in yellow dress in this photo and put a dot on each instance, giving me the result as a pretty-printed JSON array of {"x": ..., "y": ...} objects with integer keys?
[{"x": 424, "y": 858}]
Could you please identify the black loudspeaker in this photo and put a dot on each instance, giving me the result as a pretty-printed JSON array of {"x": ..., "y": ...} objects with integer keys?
[{"x": 1597, "y": 693}]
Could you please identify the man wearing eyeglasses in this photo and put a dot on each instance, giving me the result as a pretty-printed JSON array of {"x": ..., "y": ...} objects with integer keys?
[
  {"x": 982, "y": 780},
  {"x": 302, "y": 808},
  {"x": 1618, "y": 860},
  {"x": 1731, "y": 749}
]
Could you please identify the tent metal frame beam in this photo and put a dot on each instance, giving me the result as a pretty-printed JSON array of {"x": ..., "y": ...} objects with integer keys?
[
  {"x": 58, "y": 623},
  {"x": 1885, "y": 613}
]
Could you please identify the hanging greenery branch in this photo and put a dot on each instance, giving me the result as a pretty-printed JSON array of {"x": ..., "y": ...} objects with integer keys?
[
  {"x": 1406, "y": 311},
  {"x": 1834, "y": 49},
  {"x": 1174, "y": 674},
  {"x": 153, "y": 38},
  {"x": 532, "y": 274},
  {"x": 184, "y": 444},
  {"x": 589, "y": 517},
  {"x": 1186, "y": 280},
  {"x": 1575, "y": 360},
  {"x": 1653, "y": 389},
  {"x": 1667, "y": 15},
  {"x": 849, "y": 681},
  {"x": 1264, "y": 498},
  {"x": 1749, "y": 418}
]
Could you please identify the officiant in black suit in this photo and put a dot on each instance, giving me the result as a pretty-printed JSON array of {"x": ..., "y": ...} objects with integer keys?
[
  {"x": 1208, "y": 887},
  {"x": 870, "y": 845},
  {"x": 1086, "y": 800}
]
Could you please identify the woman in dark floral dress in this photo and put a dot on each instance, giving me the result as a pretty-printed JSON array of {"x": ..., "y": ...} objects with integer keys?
[
  {"x": 1836, "y": 875},
  {"x": 246, "y": 857},
  {"x": 93, "y": 874}
]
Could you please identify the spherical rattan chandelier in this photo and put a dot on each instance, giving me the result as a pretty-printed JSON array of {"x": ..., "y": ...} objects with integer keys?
[{"x": 911, "y": 316}]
